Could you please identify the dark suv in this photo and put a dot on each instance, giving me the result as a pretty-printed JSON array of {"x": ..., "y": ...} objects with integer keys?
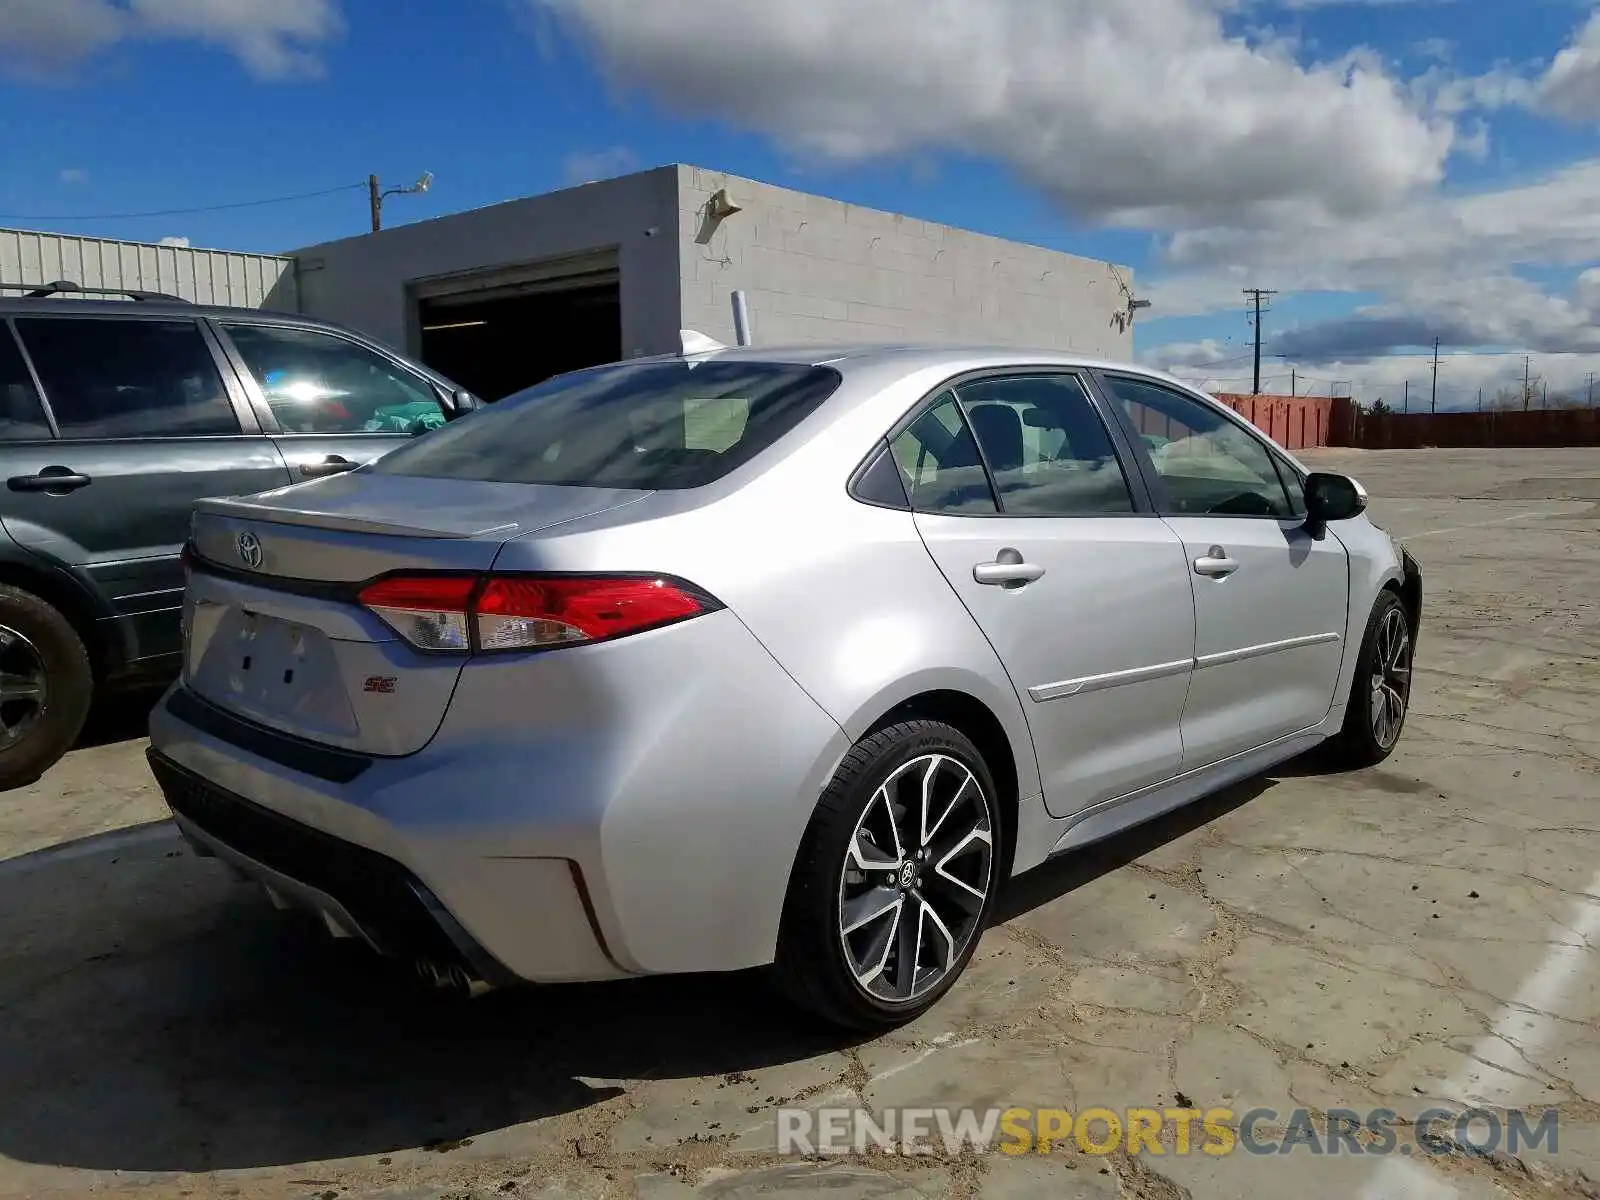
[{"x": 116, "y": 415}]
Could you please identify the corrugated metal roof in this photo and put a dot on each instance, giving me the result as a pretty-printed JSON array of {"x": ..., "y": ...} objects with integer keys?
[{"x": 201, "y": 276}]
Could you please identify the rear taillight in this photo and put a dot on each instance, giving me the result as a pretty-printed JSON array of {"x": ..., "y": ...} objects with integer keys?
[
  {"x": 494, "y": 613},
  {"x": 432, "y": 612}
]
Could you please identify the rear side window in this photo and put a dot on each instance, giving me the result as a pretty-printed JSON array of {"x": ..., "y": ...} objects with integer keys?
[
  {"x": 940, "y": 461},
  {"x": 315, "y": 382},
  {"x": 109, "y": 378},
  {"x": 658, "y": 425},
  {"x": 21, "y": 415}
]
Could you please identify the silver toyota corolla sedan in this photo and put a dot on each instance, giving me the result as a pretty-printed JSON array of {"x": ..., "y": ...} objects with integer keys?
[{"x": 755, "y": 656}]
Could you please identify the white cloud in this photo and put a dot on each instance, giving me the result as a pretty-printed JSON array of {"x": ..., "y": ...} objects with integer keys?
[
  {"x": 1144, "y": 113},
  {"x": 73, "y": 175},
  {"x": 1570, "y": 88},
  {"x": 273, "y": 38},
  {"x": 174, "y": 241},
  {"x": 586, "y": 167},
  {"x": 1418, "y": 252},
  {"x": 48, "y": 35}
]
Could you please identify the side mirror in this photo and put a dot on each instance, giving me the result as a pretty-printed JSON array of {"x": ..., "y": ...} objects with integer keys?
[
  {"x": 456, "y": 402},
  {"x": 1331, "y": 497}
]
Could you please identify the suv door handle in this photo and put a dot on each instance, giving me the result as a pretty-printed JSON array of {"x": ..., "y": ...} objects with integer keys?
[
  {"x": 332, "y": 465},
  {"x": 1007, "y": 571},
  {"x": 53, "y": 481},
  {"x": 1216, "y": 563}
]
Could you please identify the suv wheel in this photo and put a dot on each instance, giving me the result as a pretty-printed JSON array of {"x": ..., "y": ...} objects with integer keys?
[
  {"x": 895, "y": 880},
  {"x": 46, "y": 685}
]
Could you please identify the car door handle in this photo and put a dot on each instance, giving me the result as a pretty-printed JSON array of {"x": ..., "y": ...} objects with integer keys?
[
  {"x": 1216, "y": 563},
  {"x": 56, "y": 481},
  {"x": 332, "y": 465},
  {"x": 1005, "y": 573}
]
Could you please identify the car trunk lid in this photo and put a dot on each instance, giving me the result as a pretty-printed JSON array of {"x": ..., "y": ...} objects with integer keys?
[{"x": 273, "y": 630}]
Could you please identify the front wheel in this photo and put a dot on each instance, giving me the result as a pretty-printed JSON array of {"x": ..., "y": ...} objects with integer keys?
[
  {"x": 1380, "y": 694},
  {"x": 895, "y": 879}
]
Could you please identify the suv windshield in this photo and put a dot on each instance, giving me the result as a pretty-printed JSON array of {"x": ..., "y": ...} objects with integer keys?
[{"x": 659, "y": 425}]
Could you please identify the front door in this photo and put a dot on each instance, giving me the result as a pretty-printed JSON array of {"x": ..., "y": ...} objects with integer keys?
[
  {"x": 146, "y": 426},
  {"x": 1270, "y": 600},
  {"x": 331, "y": 403},
  {"x": 1084, "y": 596}
]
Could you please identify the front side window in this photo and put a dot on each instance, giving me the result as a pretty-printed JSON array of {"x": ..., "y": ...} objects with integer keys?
[
  {"x": 1207, "y": 463},
  {"x": 1047, "y": 449},
  {"x": 21, "y": 414},
  {"x": 105, "y": 377},
  {"x": 940, "y": 463},
  {"x": 654, "y": 425},
  {"x": 316, "y": 382}
]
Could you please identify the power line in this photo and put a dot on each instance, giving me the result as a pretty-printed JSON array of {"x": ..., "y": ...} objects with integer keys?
[{"x": 183, "y": 212}]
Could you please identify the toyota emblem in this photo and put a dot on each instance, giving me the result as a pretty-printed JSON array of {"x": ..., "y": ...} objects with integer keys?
[{"x": 249, "y": 546}]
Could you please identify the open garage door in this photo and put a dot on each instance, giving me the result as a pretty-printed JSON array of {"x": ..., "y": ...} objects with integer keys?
[{"x": 496, "y": 332}]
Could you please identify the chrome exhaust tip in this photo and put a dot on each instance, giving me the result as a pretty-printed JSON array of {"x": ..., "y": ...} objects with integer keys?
[{"x": 467, "y": 985}]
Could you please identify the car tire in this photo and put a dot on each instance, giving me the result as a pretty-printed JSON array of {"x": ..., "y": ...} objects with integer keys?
[
  {"x": 37, "y": 641},
  {"x": 947, "y": 864},
  {"x": 1383, "y": 676}
]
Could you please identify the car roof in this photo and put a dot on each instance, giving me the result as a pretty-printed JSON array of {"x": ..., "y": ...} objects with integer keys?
[
  {"x": 906, "y": 356},
  {"x": 152, "y": 307}
]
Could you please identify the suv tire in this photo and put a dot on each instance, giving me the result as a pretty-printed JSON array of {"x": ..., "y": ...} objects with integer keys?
[{"x": 37, "y": 642}]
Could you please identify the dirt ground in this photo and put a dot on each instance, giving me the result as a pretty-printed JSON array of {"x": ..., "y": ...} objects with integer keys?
[{"x": 1401, "y": 938}]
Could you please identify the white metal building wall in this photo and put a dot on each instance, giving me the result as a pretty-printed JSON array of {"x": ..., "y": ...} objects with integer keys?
[{"x": 200, "y": 276}]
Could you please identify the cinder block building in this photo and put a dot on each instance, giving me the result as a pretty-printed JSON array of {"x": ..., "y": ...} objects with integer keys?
[{"x": 501, "y": 297}]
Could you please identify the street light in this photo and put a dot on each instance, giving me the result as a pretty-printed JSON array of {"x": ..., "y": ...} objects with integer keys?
[{"x": 376, "y": 197}]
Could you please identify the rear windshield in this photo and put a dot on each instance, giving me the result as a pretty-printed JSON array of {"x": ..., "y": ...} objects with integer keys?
[{"x": 661, "y": 425}]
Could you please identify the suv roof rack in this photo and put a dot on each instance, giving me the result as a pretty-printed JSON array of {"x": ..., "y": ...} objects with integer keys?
[{"x": 32, "y": 291}]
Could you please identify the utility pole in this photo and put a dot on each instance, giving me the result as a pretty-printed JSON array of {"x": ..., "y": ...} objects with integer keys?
[
  {"x": 1256, "y": 295},
  {"x": 1433, "y": 396},
  {"x": 1527, "y": 381},
  {"x": 375, "y": 197},
  {"x": 1294, "y": 376},
  {"x": 1406, "y": 403},
  {"x": 1480, "y": 399},
  {"x": 1590, "y": 401},
  {"x": 1544, "y": 393}
]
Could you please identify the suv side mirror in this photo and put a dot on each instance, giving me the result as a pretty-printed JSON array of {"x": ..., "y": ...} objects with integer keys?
[{"x": 1331, "y": 497}]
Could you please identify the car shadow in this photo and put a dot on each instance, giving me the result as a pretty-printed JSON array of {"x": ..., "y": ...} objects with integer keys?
[
  {"x": 161, "y": 1017},
  {"x": 1061, "y": 876},
  {"x": 119, "y": 717}
]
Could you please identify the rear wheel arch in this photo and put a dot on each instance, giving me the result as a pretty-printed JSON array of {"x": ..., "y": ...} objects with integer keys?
[
  {"x": 68, "y": 597},
  {"x": 971, "y": 716}
]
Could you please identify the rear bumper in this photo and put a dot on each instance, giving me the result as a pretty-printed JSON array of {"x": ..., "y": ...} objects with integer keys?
[
  {"x": 356, "y": 892},
  {"x": 584, "y": 815}
]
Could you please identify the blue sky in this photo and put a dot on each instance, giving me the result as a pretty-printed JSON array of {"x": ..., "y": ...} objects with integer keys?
[{"x": 1397, "y": 169}]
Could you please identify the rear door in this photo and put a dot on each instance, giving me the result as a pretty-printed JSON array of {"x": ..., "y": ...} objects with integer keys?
[
  {"x": 330, "y": 402},
  {"x": 146, "y": 423},
  {"x": 1270, "y": 600},
  {"x": 1080, "y": 588}
]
